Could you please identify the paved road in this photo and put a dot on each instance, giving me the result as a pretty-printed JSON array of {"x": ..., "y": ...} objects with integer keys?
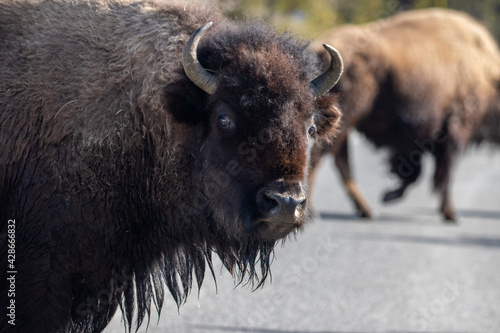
[{"x": 405, "y": 271}]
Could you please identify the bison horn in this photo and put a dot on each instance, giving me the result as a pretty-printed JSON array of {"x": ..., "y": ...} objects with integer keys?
[
  {"x": 194, "y": 70},
  {"x": 328, "y": 79}
]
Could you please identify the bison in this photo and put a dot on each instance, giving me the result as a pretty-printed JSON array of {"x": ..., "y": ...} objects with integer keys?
[
  {"x": 424, "y": 81},
  {"x": 134, "y": 146}
]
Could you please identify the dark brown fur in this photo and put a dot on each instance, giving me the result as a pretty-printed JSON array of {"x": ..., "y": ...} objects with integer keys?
[
  {"x": 419, "y": 82},
  {"x": 112, "y": 163}
]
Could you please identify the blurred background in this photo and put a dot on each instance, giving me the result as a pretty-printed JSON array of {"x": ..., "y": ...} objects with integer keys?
[{"x": 310, "y": 18}]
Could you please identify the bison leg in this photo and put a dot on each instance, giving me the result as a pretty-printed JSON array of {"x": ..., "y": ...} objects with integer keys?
[
  {"x": 445, "y": 156},
  {"x": 408, "y": 168},
  {"x": 342, "y": 163}
]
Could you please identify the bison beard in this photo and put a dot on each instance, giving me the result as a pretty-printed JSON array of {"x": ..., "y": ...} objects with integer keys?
[{"x": 124, "y": 175}]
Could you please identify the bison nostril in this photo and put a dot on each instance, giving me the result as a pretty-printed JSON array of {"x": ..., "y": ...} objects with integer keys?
[
  {"x": 281, "y": 205},
  {"x": 301, "y": 205},
  {"x": 267, "y": 203},
  {"x": 272, "y": 204}
]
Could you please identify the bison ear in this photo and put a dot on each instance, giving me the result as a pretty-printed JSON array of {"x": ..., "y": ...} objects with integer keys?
[
  {"x": 185, "y": 101},
  {"x": 329, "y": 117}
]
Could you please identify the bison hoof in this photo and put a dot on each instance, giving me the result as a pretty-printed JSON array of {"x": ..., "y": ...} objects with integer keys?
[
  {"x": 451, "y": 217},
  {"x": 363, "y": 211},
  {"x": 449, "y": 214},
  {"x": 365, "y": 214},
  {"x": 393, "y": 195}
]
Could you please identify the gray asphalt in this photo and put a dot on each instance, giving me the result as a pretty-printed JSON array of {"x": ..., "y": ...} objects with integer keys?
[{"x": 404, "y": 271}]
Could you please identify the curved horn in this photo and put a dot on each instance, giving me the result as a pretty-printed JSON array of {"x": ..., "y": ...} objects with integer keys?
[
  {"x": 192, "y": 67},
  {"x": 328, "y": 79}
]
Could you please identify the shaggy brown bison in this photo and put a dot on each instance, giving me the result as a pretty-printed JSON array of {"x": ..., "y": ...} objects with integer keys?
[
  {"x": 130, "y": 154},
  {"x": 419, "y": 82}
]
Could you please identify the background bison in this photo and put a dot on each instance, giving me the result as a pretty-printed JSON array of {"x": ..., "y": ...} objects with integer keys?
[
  {"x": 125, "y": 162},
  {"x": 419, "y": 82}
]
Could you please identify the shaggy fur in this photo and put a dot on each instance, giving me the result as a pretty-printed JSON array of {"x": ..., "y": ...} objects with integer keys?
[
  {"x": 421, "y": 81},
  {"x": 113, "y": 164}
]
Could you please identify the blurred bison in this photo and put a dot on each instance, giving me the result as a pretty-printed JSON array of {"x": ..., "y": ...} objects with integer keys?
[
  {"x": 129, "y": 153},
  {"x": 420, "y": 82}
]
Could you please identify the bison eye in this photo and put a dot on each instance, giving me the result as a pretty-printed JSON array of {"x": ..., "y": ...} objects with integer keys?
[
  {"x": 225, "y": 122},
  {"x": 312, "y": 130}
]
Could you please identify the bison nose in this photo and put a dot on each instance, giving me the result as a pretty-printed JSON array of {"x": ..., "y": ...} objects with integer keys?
[{"x": 280, "y": 206}]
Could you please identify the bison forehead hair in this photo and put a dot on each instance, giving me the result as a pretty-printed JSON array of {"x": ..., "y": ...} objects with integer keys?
[
  {"x": 249, "y": 56},
  {"x": 126, "y": 169}
]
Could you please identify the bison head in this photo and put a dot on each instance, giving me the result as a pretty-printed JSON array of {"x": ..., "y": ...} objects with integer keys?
[{"x": 257, "y": 112}]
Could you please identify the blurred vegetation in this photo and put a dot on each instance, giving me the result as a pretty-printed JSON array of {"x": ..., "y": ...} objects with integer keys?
[{"x": 311, "y": 17}]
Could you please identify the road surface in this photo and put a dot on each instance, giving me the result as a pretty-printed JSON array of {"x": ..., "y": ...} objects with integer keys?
[{"x": 403, "y": 272}]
